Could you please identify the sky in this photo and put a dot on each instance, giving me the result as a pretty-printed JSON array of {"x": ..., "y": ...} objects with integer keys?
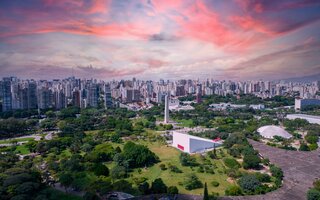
[{"x": 153, "y": 39}]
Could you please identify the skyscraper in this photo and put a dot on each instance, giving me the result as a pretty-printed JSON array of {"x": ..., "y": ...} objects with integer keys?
[
  {"x": 6, "y": 94},
  {"x": 107, "y": 96},
  {"x": 32, "y": 95},
  {"x": 166, "y": 109}
]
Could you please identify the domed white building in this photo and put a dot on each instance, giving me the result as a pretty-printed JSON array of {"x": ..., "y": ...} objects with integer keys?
[{"x": 270, "y": 131}]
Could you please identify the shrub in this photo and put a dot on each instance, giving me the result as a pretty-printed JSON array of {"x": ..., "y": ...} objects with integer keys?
[
  {"x": 158, "y": 186},
  {"x": 162, "y": 167},
  {"x": 276, "y": 172},
  {"x": 231, "y": 163},
  {"x": 233, "y": 173},
  {"x": 143, "y": 187},
  {"x": 233, "y": 190},
  {"x": 265, "y": 178},
  {"x": 304, "y": 147},
  {"x": 187, "y": 160},
  {"x": 249, "y": 183},
  {"x": 313, "y": 194},
  {"x": 215, "y": 183},
  {"x": 313, "y": 146},
  {"x": 192, "y": 182},
  {"x": 175, "y": 169},
  {"x": 251, "y": 161},
  {"x": 173, "y": 190}
]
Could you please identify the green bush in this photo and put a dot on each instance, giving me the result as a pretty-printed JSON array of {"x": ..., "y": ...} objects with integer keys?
[
  {"x": 173, "y": 190},
  {"x": 313, "y": 194},
  {"x": 313, "y": 146},
  {"x": 233, "y": 190},
  {"x": 215, "y": 183},
  {"x": 249, "y": 183},
  {"x": 192, "y": 182},
  {"x": 231, "y": 163}
]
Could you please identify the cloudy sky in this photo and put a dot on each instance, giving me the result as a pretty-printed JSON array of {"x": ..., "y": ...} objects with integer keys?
[{"x": 152, "y": 39}]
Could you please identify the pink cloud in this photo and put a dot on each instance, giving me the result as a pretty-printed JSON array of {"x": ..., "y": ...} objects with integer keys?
[
  {"x": 165, "y": 5},
  {"x": 100, "y": 6}
]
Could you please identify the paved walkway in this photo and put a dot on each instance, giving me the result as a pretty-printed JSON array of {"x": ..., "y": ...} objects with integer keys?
[{"x": 300, "y": 169}]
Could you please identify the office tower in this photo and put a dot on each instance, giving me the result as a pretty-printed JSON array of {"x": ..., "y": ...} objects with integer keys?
[
  {"x": 44, "y": 98},
  {"x": 136, "y": 95},
  {"x": 107, "y": 96},
  {"x": 199, "y": 91},
  {"x": 59, "y": 99},
  {"x": 93, "y": 95},
  {"x": 76, "y": 100},
  {"x": 32, "y": 95},
  {"x": 180, "y": 90},
  {"x": 6, "y": 95},
  {"x": 158, "y": 97},
  {"x": 166, "y": 109},
  {"x": 16, "y": 100}
]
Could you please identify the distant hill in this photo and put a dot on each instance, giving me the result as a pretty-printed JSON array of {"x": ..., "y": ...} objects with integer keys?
[{"x": 310, "y": 78}]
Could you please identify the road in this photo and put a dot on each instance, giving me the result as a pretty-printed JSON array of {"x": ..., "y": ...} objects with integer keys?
[{"x": 36, "y": 137}]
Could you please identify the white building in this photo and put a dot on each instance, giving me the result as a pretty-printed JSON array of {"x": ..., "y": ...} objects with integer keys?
[
  {"x": 192, "y": 144},
  {"x": 271, "y": 131},
  {"x": 310, "y": 118},
  {"x": 257, "y": 107}
]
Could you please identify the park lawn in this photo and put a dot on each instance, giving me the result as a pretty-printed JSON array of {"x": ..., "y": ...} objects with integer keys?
[
  {"x": 8, "y": 141},
  {"x": 91, "y": 132},
  {"x": 22, "y": 149},
  {"x": 168, "y": 155},
  {"x": 185, "y": 122}
]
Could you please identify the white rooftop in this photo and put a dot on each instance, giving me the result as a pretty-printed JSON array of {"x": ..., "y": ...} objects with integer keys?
[{"x": 271, "y": 130}]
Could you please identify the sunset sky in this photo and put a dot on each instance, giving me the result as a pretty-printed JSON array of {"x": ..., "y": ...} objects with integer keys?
[{"x": 152, "y": 39}]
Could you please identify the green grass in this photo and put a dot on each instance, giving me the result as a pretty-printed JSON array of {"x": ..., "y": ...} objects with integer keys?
[
  {"x": 8, "y": 141},
  {"x": 22, "y": 149},
  {"x": 91, "y": 132},
  {"x": 168, "y": 155},
  {"x": 185, "y": 122}
]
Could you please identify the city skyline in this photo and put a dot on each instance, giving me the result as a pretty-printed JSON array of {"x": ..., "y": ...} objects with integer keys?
[{"x": 233, "y": 40}]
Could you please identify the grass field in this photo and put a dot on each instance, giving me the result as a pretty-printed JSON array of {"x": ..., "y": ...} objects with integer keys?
[
  {"x": 8, "y": 141},
  {"x": 22, "y": 149},
  {"x": 185, "y": 122},
  {"x": 168, "y": 155}
]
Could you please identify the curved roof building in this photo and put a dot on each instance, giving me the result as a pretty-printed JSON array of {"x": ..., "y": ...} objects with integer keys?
[{"x": 270, "y": 131}]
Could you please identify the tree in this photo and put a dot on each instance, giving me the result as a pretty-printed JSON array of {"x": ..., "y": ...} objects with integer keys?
[
  {"x": 100, "y": 170},
  {"x": 173, "y": 190},
  {"x": 65, "y": 180},
  {"x": 158, "y": 187},
  {"x": 187, "y": 160},
  {"x": 205, "y": 192},
  {"x": 276, "y": 172},
  {"x": 138, "y": 155},
  {"x": 313, "y": 194},
  {"x": 249, "y": 183},
  {"x": 316, "y": 184},
  {"x": 251, "y": 161},
  {"x": 192, "y": 182},
  {"x": 233, "y": 190},
  {"x": 118, "y": 172},
  {"x": 144, "y": 187},
  {"x": 304, "y": 147}
]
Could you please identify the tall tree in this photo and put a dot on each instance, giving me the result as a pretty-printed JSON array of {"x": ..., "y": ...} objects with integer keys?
[{"x": 205, "y": 192}]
